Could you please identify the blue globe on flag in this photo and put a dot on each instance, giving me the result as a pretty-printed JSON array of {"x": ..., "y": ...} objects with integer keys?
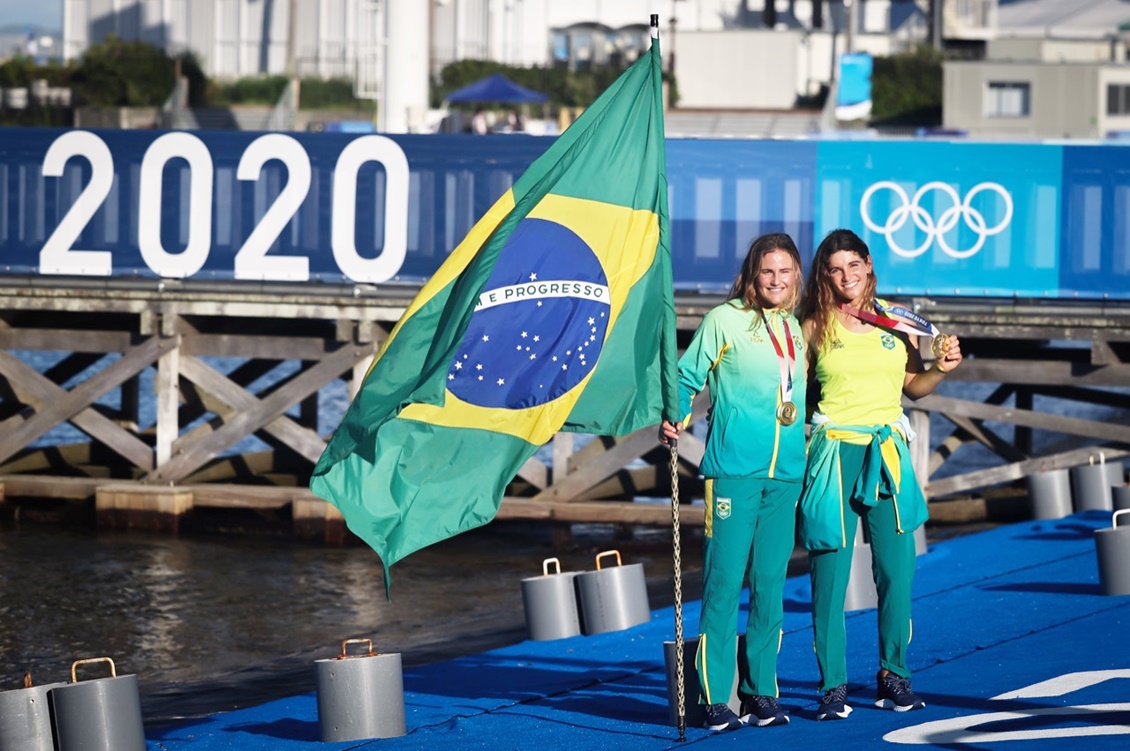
[{"x": 540, "y": 322}]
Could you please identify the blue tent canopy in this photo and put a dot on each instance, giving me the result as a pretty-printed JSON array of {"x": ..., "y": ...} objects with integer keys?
[{"x": 496, "y": 88}]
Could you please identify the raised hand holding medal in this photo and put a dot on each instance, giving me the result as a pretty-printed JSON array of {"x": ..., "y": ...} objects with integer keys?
[
  {"x": 938, "y": 346},
  {"x": 947, "y": 350},
  {"x": 945, "y": 347}
]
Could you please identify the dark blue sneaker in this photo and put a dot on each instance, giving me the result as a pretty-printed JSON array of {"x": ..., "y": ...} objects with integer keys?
[
  {"x": 894, "y": 693},
  {"x": 833, "y": 705},
  {"x": 720, "y": 718},
  {"x": 763, "y": 711}
]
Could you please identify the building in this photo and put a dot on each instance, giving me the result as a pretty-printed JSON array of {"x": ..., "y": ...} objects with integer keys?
[
  {"x": 351, "y": 38},
  {"x": 237, "y": 38},
  {"x": 1051, "y": 69},
  {"x": 1027, "y": 99}
]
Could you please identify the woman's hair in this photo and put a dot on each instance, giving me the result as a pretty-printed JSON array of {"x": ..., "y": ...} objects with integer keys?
[
  {"x": 819, "y": 300},
  {"x": 745, "y": 286}
]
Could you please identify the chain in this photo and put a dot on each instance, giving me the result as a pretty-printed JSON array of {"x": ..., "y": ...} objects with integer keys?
[{"x": 678, "y": 561}]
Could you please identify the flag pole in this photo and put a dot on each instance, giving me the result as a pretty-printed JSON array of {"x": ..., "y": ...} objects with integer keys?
[
  {"x": 676, "y": 544},
  {"x": 678, "y": 566}
]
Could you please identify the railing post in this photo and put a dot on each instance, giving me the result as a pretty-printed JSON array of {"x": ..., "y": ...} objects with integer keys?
[{"x": 167, "y": 385}]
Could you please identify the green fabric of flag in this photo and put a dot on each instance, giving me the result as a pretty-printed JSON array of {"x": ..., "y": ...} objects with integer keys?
[{"x": 554, "y": 313}]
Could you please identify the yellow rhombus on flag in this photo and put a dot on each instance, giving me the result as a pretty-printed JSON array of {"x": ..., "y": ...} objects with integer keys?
[{"x": 554, "y": 313}]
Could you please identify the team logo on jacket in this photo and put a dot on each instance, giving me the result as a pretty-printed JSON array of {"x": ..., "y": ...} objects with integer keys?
[
  {"x": 888, "y": 341},
  {"x": 722, "y": 508}
]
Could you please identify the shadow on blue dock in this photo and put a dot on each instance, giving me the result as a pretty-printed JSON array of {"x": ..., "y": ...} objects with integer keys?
[{"x": 1013, "y": 641}]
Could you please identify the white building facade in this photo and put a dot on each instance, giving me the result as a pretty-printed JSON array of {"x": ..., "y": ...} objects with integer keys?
[
  {"x": 237, "y": 38},
  {"x": 724, "y": 54},
  {"x": 1052, "y": 69}
]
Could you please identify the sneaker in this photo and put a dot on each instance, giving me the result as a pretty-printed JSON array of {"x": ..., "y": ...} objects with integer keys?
[
  {"x": 763, "y": 711},
  {"x": 720, "y": 718},
  {"x": 833, "y": 705},
  {"x": 895, "y": 693}
]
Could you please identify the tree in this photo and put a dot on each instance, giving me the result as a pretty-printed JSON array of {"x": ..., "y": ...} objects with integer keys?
[
  {"x": 117, "y": 73},
  {"x": 907, "y": 89}
]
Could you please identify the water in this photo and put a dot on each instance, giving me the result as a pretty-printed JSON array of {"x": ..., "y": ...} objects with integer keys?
[{"x": 211, "y": 624}]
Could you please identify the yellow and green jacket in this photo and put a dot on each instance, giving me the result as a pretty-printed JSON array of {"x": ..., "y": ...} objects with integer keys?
[
  {"x": 732, "y": 355},
  {"x": 887, "y": 475}
]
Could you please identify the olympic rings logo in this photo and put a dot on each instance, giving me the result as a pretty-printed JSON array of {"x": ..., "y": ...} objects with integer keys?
[{"x": 959, "y": 210}]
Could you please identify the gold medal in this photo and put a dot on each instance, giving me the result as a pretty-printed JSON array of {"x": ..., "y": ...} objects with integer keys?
[
  {"x": 938, "y": 346},
  {"x": 787, "y": 413}
]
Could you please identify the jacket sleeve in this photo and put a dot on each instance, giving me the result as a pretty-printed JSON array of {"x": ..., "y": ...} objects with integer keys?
[{"x": 701, "y": 357}]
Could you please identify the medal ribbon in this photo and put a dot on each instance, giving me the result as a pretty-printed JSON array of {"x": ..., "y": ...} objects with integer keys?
[
  {"x": 911, "y": 317},
  {"x": 925, "y": 328},
  {"x": 788, "y": 364}
]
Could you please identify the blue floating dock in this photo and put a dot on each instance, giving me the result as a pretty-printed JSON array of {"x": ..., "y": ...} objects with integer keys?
[{"x": 1013, "y": 641}]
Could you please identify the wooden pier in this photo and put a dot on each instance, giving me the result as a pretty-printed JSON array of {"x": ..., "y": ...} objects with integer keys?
[{"x": 229, "y": 361}]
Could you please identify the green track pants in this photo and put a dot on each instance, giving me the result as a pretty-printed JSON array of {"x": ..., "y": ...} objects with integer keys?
[
  {"x": 892, "y": 566},
  {"x": 750, "y": 527}
]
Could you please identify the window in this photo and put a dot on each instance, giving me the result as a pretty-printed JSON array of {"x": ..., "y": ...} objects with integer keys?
[
  {"x": 1008, "y": 99},
  {"x": 1118, "y": 99}
]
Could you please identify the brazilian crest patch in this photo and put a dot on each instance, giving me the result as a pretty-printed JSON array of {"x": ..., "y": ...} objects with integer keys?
[
  {"x": 888, "y": 341},
  {"x": 722, "y": 508}
]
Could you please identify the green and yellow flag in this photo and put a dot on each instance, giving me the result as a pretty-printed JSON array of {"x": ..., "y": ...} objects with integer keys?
[{"x": 554, "y": 313}]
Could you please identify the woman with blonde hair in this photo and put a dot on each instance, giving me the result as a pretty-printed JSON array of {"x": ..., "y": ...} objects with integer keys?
[{"x": 747, "y": 351}]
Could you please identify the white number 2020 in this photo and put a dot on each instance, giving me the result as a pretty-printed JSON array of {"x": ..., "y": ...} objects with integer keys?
[{"x": 252, "y": 260}]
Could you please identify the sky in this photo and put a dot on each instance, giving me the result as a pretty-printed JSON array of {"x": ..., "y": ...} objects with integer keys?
[{"x": 45, "y": 13}]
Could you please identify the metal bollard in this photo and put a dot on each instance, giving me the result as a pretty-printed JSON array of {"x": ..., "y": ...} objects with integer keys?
[
  {"x": 1091, "y": 484},
  {"x": 861, "y": 593},
  {"x": 25, "y": 719},
  {"x": 1049, "y": 494},
  {"x": 1121, "y": 497},
  {"x": 103, "y": 714},
  {"x": 1112, "y": 545},
  {"x": 613, "y": 599},
  {"x": 693, "y": 711},
  {"x": 360, "y": 696},
  {"x": 550, "y": 601}
]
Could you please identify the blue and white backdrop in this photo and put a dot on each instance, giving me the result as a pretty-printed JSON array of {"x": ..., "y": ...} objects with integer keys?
[{"x": 941, "y": 218}]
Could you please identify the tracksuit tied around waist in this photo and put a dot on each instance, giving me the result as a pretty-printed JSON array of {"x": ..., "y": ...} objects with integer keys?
[{"x": 859, "y": 469}]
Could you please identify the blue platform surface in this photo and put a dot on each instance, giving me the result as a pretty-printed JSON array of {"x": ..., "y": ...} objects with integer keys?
[{"x": 1015, "y": 648}]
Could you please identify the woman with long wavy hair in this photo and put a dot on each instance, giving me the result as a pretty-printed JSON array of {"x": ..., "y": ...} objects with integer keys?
[
  {"x": 859, "y": 470},
  {"x": 748, "y": 351}
]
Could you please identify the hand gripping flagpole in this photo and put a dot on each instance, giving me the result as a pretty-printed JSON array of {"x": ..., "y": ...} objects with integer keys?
[{"x": 678, "y": 563}]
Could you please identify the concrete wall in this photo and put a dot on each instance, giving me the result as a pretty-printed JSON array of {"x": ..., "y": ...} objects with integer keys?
[
  {"x": 736, "y": 69},
  {"x": 1110, "y": 74},
  {"x": 1066, "y": 101},
  {"x": 758, "y": 68},
  {"x": 1020, "y": 49}
]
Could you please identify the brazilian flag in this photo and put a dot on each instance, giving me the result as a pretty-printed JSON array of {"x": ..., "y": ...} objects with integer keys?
[{"x": 554, "y": 313}]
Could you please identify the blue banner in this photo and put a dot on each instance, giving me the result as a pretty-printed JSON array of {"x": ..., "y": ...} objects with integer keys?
[
  {"x": 723, "y": 194},
  {"x": 941, "y": 218},
  {"x": 853, "y": 89},
  {"x": 1095, "y": 222},
  {"x": 254, "y": 206},
  {"x": 949, "y": 218}
]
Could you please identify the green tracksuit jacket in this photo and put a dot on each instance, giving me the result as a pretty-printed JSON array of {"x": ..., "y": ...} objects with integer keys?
[{"x": 753, "y": 466}]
